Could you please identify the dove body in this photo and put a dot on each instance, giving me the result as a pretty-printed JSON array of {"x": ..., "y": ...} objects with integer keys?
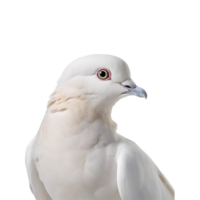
[{"x": 77, "y": 153}]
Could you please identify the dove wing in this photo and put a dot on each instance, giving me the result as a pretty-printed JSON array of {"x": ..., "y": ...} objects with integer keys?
[
  {"x": 138, "y": 178},
  {"x": 36, "y": 185}
]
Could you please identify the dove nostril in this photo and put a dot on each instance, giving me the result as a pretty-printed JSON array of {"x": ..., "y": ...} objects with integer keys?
[{"x": 127, "y": 86}]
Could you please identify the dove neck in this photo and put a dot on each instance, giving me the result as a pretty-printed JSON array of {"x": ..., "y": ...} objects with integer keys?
[
  {"x": 64, "y": 132},
  {"x": 80, "y": 118}
]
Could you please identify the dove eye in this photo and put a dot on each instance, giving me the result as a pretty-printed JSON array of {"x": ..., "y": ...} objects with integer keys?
[{"x": 104, "y": 74}]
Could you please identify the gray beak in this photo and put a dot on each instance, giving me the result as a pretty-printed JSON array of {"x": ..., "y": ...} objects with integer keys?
[{"x": 133, "y": 89}]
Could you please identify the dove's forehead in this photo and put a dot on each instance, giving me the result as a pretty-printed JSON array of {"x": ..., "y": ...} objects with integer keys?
[{"x": 88, "y": 65}]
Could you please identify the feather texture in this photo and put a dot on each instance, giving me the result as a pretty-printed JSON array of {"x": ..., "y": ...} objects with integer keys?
[{"x": 77, "y": 153}]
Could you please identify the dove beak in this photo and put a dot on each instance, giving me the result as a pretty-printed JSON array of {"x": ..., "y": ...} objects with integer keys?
[{"x": 133, "y": 89}]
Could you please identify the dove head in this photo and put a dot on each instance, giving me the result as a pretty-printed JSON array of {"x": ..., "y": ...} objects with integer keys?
[{"x": 98, "y": 80}]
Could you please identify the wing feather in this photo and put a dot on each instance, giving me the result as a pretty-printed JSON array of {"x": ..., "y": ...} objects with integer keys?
[
  {"x": 138, "y": 178},
  {"x": 36, "y": 185}
]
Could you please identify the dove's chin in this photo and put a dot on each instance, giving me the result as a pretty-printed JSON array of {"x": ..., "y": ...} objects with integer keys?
[{"x": 126, "y": 93}]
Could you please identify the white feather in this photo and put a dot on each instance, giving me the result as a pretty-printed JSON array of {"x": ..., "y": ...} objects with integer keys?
[{"x": 77, "y": 154}]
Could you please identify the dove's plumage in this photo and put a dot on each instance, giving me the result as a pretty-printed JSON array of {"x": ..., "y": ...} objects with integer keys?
[{"x": 77, "y": 154}]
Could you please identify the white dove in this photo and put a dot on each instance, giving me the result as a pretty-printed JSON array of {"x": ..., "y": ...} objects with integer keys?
[{"x": 77, "y": 154}]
